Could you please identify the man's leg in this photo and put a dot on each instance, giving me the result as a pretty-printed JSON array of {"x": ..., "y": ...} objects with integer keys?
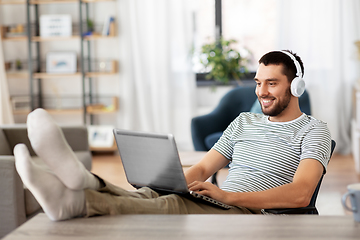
[
  {"x": 113, "y": 200},
  {"x": 49, "y": 144},
  {"x": 57, "y": 201},
  {"x": 60, "y": 202},
  {"x": 105, "y": 202}
]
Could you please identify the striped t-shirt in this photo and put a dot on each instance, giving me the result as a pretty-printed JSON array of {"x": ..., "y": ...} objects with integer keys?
[{"x": 266, "y": 154}]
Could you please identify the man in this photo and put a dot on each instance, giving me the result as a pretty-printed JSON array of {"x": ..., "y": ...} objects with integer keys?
[{"x": 276, "y": 160}]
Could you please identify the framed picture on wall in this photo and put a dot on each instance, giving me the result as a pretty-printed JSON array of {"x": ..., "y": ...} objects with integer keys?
[
  {"x": 55, "y": 25},
  {"x": 61, "y": 62},
  {"x": 101, "y": 136}
]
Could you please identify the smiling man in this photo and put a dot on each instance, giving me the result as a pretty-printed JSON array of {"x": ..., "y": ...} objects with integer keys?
[
  {"x": 276, "y": 159},
  {"x": 274, "y": 92}
]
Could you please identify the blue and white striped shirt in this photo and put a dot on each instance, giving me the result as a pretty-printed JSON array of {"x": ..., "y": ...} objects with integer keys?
[{"x": 266, "y": 154}]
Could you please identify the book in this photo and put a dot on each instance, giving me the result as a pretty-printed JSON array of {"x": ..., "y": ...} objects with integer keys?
[{"x": 109, "y": 26}]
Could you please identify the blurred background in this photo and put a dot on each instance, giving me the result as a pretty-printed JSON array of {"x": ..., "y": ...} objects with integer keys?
[{"x": 161, "y": 80}]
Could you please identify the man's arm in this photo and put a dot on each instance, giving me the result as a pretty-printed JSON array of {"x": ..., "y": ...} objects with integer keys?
[
  {"x": 292, "y": 195},
  {"x": 212, "y": 162}
]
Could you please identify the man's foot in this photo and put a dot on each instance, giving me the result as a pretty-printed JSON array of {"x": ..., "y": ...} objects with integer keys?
[
  {"x": 57, "y": 201},
  {"x": 50, "y": 145}
]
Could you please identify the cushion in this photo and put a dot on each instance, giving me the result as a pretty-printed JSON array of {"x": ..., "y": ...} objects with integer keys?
[
  {"x": 256, "y": 108},
  {"x": 212, "y": 139}
]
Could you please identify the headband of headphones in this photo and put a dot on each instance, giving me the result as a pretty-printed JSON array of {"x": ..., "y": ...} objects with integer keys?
[
  {"x": 297, "y": 86},
  {"x": 297, "y": 64}
]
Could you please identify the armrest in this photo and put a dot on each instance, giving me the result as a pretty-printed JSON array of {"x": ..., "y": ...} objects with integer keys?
[
  {"x": 12, "y": 205},
  {"x": 76, "y": 136}
]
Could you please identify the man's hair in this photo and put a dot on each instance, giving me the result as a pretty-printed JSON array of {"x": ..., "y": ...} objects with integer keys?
[{"x": 280, "y": 58}]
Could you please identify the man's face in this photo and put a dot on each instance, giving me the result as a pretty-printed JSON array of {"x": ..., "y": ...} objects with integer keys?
[{"x": 272, "y": 89}]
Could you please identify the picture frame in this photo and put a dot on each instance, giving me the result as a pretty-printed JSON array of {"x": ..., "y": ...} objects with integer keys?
[
  {"x": 55, "y": 25},
  {"x": 61, "y": 62},
  {"x": 101, "y": 136}
]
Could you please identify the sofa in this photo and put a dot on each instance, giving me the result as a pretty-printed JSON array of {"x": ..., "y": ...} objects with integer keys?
[{"x": 17, "y": 204}]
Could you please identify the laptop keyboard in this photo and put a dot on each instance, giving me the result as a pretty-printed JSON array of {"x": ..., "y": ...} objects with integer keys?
[{"x": 210, "y": 200}]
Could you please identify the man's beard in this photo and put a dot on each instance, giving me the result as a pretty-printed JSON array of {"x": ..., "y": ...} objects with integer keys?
[{"x": 274, "y": 111}]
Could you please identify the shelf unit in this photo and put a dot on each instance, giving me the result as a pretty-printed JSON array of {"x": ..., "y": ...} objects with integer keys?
[
  {"x": 12, "y": 2},
  {"x": 34, "y": 73}
]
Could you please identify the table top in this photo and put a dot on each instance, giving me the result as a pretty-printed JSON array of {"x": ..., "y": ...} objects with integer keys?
[
  {"x": 190, "y": 227},
  {"x": 189, "y": 158}
]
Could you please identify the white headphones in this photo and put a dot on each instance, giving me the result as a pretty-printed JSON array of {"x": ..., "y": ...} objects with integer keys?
[{"x": 298, "y": 83}]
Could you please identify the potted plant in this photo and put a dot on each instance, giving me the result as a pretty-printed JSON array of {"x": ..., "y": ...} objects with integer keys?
[
  {"x": 90, "y": 28},
  {"x": 224, "y": 62},
  {"x": 90, "y": 25},
  {"x": 18, "y": 64}
]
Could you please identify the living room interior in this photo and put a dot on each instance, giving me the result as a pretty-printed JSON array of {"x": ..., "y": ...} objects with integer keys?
[{"x": 139, "y": 65}]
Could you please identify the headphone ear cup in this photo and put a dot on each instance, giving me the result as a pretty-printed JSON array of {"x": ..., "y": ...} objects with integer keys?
[{"x": 297, "y": 87}]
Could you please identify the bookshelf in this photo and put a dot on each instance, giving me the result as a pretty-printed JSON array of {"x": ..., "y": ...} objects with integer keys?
[{"x": 36, "y": 73}]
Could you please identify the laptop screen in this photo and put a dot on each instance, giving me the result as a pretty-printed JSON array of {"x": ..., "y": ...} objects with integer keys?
[{"x": 151, "y": 160}]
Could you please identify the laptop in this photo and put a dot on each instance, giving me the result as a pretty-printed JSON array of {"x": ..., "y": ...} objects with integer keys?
[{"x": 152, "y": 160}]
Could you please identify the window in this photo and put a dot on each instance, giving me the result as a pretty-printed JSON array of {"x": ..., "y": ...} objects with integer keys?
[{"x": 253, "y": 23}]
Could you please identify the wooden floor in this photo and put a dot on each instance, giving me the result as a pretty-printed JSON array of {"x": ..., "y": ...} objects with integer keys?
[{"x": 340, "y": 174}]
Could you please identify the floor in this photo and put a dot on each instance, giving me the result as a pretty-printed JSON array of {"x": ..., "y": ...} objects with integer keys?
[{"x": 340, "y": 173}]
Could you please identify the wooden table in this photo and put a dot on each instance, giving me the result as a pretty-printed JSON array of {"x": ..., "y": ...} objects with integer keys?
[
  {"x": 189, "y": 158},
  {"x": 189, "y": 227}
]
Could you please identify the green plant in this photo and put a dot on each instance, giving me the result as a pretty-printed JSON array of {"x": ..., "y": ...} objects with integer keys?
[
  {"x": 18, "y": 64},
  {"x": 90, "y": 25},
  {"x": 225, "y": 62}
]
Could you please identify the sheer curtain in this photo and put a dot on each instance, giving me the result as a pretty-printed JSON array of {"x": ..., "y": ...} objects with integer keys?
[
  {"x": 323, "y": 33},
  {"x": 155, "y": 38},
  {"x": 6, "y": 115}
]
